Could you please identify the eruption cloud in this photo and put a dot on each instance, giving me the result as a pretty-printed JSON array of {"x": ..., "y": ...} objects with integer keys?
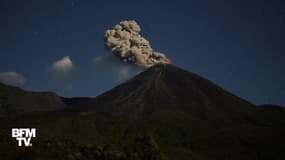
[{"x": 125, "y": 41}]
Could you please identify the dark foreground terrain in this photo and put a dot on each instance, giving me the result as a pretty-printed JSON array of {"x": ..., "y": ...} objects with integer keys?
[{"x": 162, "y": 113}]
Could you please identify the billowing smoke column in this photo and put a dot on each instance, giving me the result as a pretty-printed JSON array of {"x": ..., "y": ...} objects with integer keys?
[{"x": 125, "y": 41}]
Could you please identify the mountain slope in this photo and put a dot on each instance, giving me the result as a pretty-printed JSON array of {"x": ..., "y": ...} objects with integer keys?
[
  {"x": 15, "y": 101},
  {"x": 190, "y": 116},
  {"x": 166, "y": 87}
]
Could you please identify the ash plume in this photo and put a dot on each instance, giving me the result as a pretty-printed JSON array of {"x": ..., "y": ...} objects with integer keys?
[{"x": 125, "y": 41}]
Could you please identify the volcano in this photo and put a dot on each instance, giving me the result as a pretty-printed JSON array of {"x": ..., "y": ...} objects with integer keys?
[
  {"x": 162, "y": 113},
  {"x": 169, "y": 88}
]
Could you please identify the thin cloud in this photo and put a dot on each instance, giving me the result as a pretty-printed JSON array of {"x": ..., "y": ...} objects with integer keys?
[
  {"x": 63, "y": 65},
  {"x": 110, "y": 64},
  {"x": 99, "y": 59},
  {"x": 12, "y": 78}
]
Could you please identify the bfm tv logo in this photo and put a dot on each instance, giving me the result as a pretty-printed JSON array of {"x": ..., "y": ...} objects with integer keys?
[{"x": 24, "y": 135}]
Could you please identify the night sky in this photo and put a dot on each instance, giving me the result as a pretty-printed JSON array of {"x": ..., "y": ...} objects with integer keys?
[{"x": 238, "y": 45}]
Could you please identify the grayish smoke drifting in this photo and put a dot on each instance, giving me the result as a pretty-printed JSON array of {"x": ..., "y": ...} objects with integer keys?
[{"x": 125, "y": 41}]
